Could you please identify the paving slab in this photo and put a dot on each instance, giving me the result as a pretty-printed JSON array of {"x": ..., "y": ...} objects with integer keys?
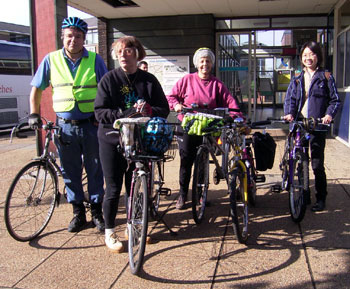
[{"x": 278, "y": 254}]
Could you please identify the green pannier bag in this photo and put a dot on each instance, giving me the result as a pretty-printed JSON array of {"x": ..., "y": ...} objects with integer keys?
[{"x": 194, "y": 123}]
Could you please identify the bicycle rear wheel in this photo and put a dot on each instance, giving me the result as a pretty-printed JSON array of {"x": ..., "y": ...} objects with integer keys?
[
  {"x": 31, "y": 200},
  {"x": 239, "y": 205},
  {"x": 298, "y": 187},
  {"x": 200, "y": 184},
  {"x": 156, "y": 185},
  {"x": 137, "y": 226}
]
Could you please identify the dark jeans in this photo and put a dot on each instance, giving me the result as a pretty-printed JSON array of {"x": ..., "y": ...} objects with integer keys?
[
  {"x": 188, "y": 145},
  {"x": 114, "y": 167},
  {"x": 317, "y": 145},
  {"x": 81, "y": 145}
]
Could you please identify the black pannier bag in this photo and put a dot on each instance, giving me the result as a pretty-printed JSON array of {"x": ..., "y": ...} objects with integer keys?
[{"x": 264, "y": 151}]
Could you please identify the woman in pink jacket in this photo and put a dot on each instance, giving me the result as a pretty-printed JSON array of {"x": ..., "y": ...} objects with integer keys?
[{"x": 205, "y": 90}]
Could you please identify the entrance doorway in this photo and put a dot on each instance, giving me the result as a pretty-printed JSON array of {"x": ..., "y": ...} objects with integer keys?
[{"x": 257, "y": 74}]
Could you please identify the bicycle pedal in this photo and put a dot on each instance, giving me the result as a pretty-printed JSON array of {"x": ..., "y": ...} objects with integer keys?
[
  {"x": 276, "y": 189},
  {"x": 165, "y": 192},
  {"x": 260, "y": 179}
]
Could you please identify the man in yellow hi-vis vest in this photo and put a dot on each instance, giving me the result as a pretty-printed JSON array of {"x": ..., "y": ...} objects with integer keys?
[{"x": 73, "y": 72}]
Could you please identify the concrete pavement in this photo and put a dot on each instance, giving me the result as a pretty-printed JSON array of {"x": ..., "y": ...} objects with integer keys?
[{"x": 279, "y": 253}]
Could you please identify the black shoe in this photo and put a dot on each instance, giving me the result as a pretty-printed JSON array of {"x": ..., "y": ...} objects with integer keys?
[
  {"x": 99, "y": 222},
  {"x": 77, "y": 223},
  {"x": 318, "y": 207}
]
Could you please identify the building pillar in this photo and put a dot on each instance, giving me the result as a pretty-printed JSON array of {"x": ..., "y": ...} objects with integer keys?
[
  {"x": 46, "y": 19},
  {"x": 102, "y": 39}
]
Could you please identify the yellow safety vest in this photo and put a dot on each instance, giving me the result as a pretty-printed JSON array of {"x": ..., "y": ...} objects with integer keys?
[{"x": 66, "y": 90}]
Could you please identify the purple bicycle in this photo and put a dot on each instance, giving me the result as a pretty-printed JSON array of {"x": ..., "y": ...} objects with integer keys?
[{"x": 295, "y": 166}]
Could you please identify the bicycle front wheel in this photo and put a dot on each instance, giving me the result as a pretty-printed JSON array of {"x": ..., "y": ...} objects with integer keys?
[
  {"x": 200, "y": 184},
  {"x": 239, "y": 205},
  {"x": 298, "y": 187},
  {"x": 284, "y": 167},
  {"x": 31, "y": 200},
  {"x": 137, "y": 226}
]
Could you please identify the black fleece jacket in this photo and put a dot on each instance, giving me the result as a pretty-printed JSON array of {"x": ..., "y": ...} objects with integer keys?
[{"x": 117, "y": 93}]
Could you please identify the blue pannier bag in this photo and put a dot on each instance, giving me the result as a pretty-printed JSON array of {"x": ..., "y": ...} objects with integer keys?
[{"x": 157, "y": 136}]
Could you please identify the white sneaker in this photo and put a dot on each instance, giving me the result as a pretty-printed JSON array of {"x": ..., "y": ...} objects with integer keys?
[{"x": 113, "y": 243}]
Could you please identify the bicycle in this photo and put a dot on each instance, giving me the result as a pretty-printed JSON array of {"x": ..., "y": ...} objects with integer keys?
[
  {"x": 145, "y": 187},
  {"x": 295, "y": 166},
  {"x": 209, "y": 146},
  {"x": 34, "y": 193},
  {"x": 241, "y": 174}
]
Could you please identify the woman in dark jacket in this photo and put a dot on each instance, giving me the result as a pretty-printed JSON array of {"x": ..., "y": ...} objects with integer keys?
[
  {"x": 117, "y": 95},
  {"x": 313, "y": 93}
]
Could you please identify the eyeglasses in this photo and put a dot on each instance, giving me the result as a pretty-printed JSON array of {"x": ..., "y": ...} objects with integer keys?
[
  {"x": 309, "y": 55},
  {"x": 126, "y": 51}
]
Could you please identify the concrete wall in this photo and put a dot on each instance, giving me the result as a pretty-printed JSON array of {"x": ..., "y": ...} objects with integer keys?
[{"x": 174, "y": 35}]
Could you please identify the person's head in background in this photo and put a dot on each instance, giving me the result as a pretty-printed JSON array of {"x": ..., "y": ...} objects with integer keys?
[{"x": 143, "y": 65}]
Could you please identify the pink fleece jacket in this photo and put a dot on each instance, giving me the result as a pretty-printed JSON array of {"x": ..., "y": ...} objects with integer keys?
[{"x": 191, "y": 89}]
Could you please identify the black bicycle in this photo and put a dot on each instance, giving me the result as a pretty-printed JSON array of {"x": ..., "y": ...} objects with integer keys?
[{"x": 34, "y": 193}]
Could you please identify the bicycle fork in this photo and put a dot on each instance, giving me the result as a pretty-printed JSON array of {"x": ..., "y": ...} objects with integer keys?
[{"x": 138, "y": 172}]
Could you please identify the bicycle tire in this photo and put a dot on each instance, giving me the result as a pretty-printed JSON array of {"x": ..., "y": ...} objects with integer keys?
[
  {"x": 156, "y": 185},
  {"x": 200, "y": 184},
  {"x": 239, "y": 205},
  {"x": 31, "y": 200},
  {"x": 251, "y": 178},
  {"x": 284, "y": 167},
  {"x": 137, "y": 227},
  {"x": 227, "y": 157},
  {"x": 298, "y": 187}
]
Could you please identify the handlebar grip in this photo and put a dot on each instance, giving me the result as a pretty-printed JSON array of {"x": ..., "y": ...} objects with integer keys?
[
  {"x": 234, "y": 109},
  {"x": 209, "y": 129},
  {"x": 260, "y": 123}
]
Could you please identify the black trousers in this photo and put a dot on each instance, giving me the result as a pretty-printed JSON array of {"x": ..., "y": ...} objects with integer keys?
[
  {"x": 114, "y": 167},
  {"x": 317, "y": 145},
  {"x": 188, "y": 145}
]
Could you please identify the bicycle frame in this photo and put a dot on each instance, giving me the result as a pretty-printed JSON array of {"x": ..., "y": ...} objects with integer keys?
[
  {"x": 295, "y": 143},
  {"x": 210, "y": 142}
]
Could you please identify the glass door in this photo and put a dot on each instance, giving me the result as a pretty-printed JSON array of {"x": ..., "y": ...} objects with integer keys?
[{"x": 236, "y": 62}]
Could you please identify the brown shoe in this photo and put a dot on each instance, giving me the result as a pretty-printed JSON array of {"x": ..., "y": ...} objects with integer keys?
[{"x": 181, "y": 201}]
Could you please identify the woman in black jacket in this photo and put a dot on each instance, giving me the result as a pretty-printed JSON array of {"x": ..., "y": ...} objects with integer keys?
[
  {"x": 313, "y": 93},
  {"x": 117, "y": 96}
]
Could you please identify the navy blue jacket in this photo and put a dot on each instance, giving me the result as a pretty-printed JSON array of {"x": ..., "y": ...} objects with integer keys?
[{"x": 323, "y": 96}]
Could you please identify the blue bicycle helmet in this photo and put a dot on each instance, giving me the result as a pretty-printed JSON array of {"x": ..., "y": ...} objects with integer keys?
[
  {"x": 75, "y": 22},
  {"x": 157, "y": 136}
]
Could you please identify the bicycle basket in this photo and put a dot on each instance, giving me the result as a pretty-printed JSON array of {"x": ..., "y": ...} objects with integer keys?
[
  {"x": 157, "y": 136},
  {"x": 193, "y": 123},
  {"x": 131, "y": 130},
  {"x": 171, "y": 152}
]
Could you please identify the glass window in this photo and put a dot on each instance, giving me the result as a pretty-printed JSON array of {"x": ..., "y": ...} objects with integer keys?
[
  {"x": 299, "y": 22},
  {"x": 340, "y": 60},
  {"x": 347, "y": 59},
  {"x": 255, "y": 23},
  {"x": 274, "y": 38}
]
